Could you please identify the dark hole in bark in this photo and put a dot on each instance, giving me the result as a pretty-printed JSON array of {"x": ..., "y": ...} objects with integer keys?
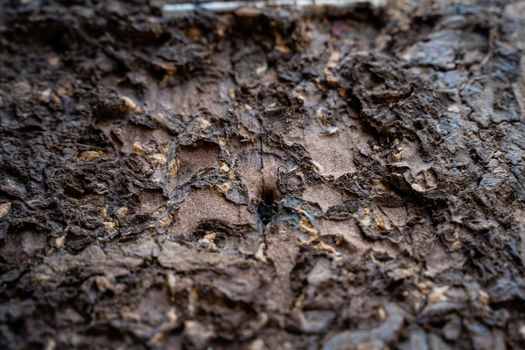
[{"x": 267, "y": 206}]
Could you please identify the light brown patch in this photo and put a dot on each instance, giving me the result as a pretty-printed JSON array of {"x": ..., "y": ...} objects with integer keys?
[
  {"x": 350, "y": 233},
  {"x": 5, "y": 208},
  {"x": 202, "y": 205},
  {"x": 192, "y": 159},
  {"x": 324, "y": 195}
]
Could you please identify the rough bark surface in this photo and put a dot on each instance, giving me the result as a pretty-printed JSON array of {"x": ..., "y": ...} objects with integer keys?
[{"x": 264, "y": 179}]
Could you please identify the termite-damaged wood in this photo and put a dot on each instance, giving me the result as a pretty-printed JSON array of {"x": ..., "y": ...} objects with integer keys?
[{"x": 264, "y": 179}]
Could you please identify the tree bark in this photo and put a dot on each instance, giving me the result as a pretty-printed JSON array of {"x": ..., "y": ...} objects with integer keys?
[{"x": 263, "y": 179}]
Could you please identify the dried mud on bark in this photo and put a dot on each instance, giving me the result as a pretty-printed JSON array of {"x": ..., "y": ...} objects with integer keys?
[{"x": 263, "y": 179}]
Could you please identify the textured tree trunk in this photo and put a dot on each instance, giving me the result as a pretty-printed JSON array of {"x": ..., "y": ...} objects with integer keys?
[{"x": 345, "y": 178}]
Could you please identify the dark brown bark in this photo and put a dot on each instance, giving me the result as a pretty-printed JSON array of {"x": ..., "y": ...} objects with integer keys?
[{"x": 270, "y": 179}]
